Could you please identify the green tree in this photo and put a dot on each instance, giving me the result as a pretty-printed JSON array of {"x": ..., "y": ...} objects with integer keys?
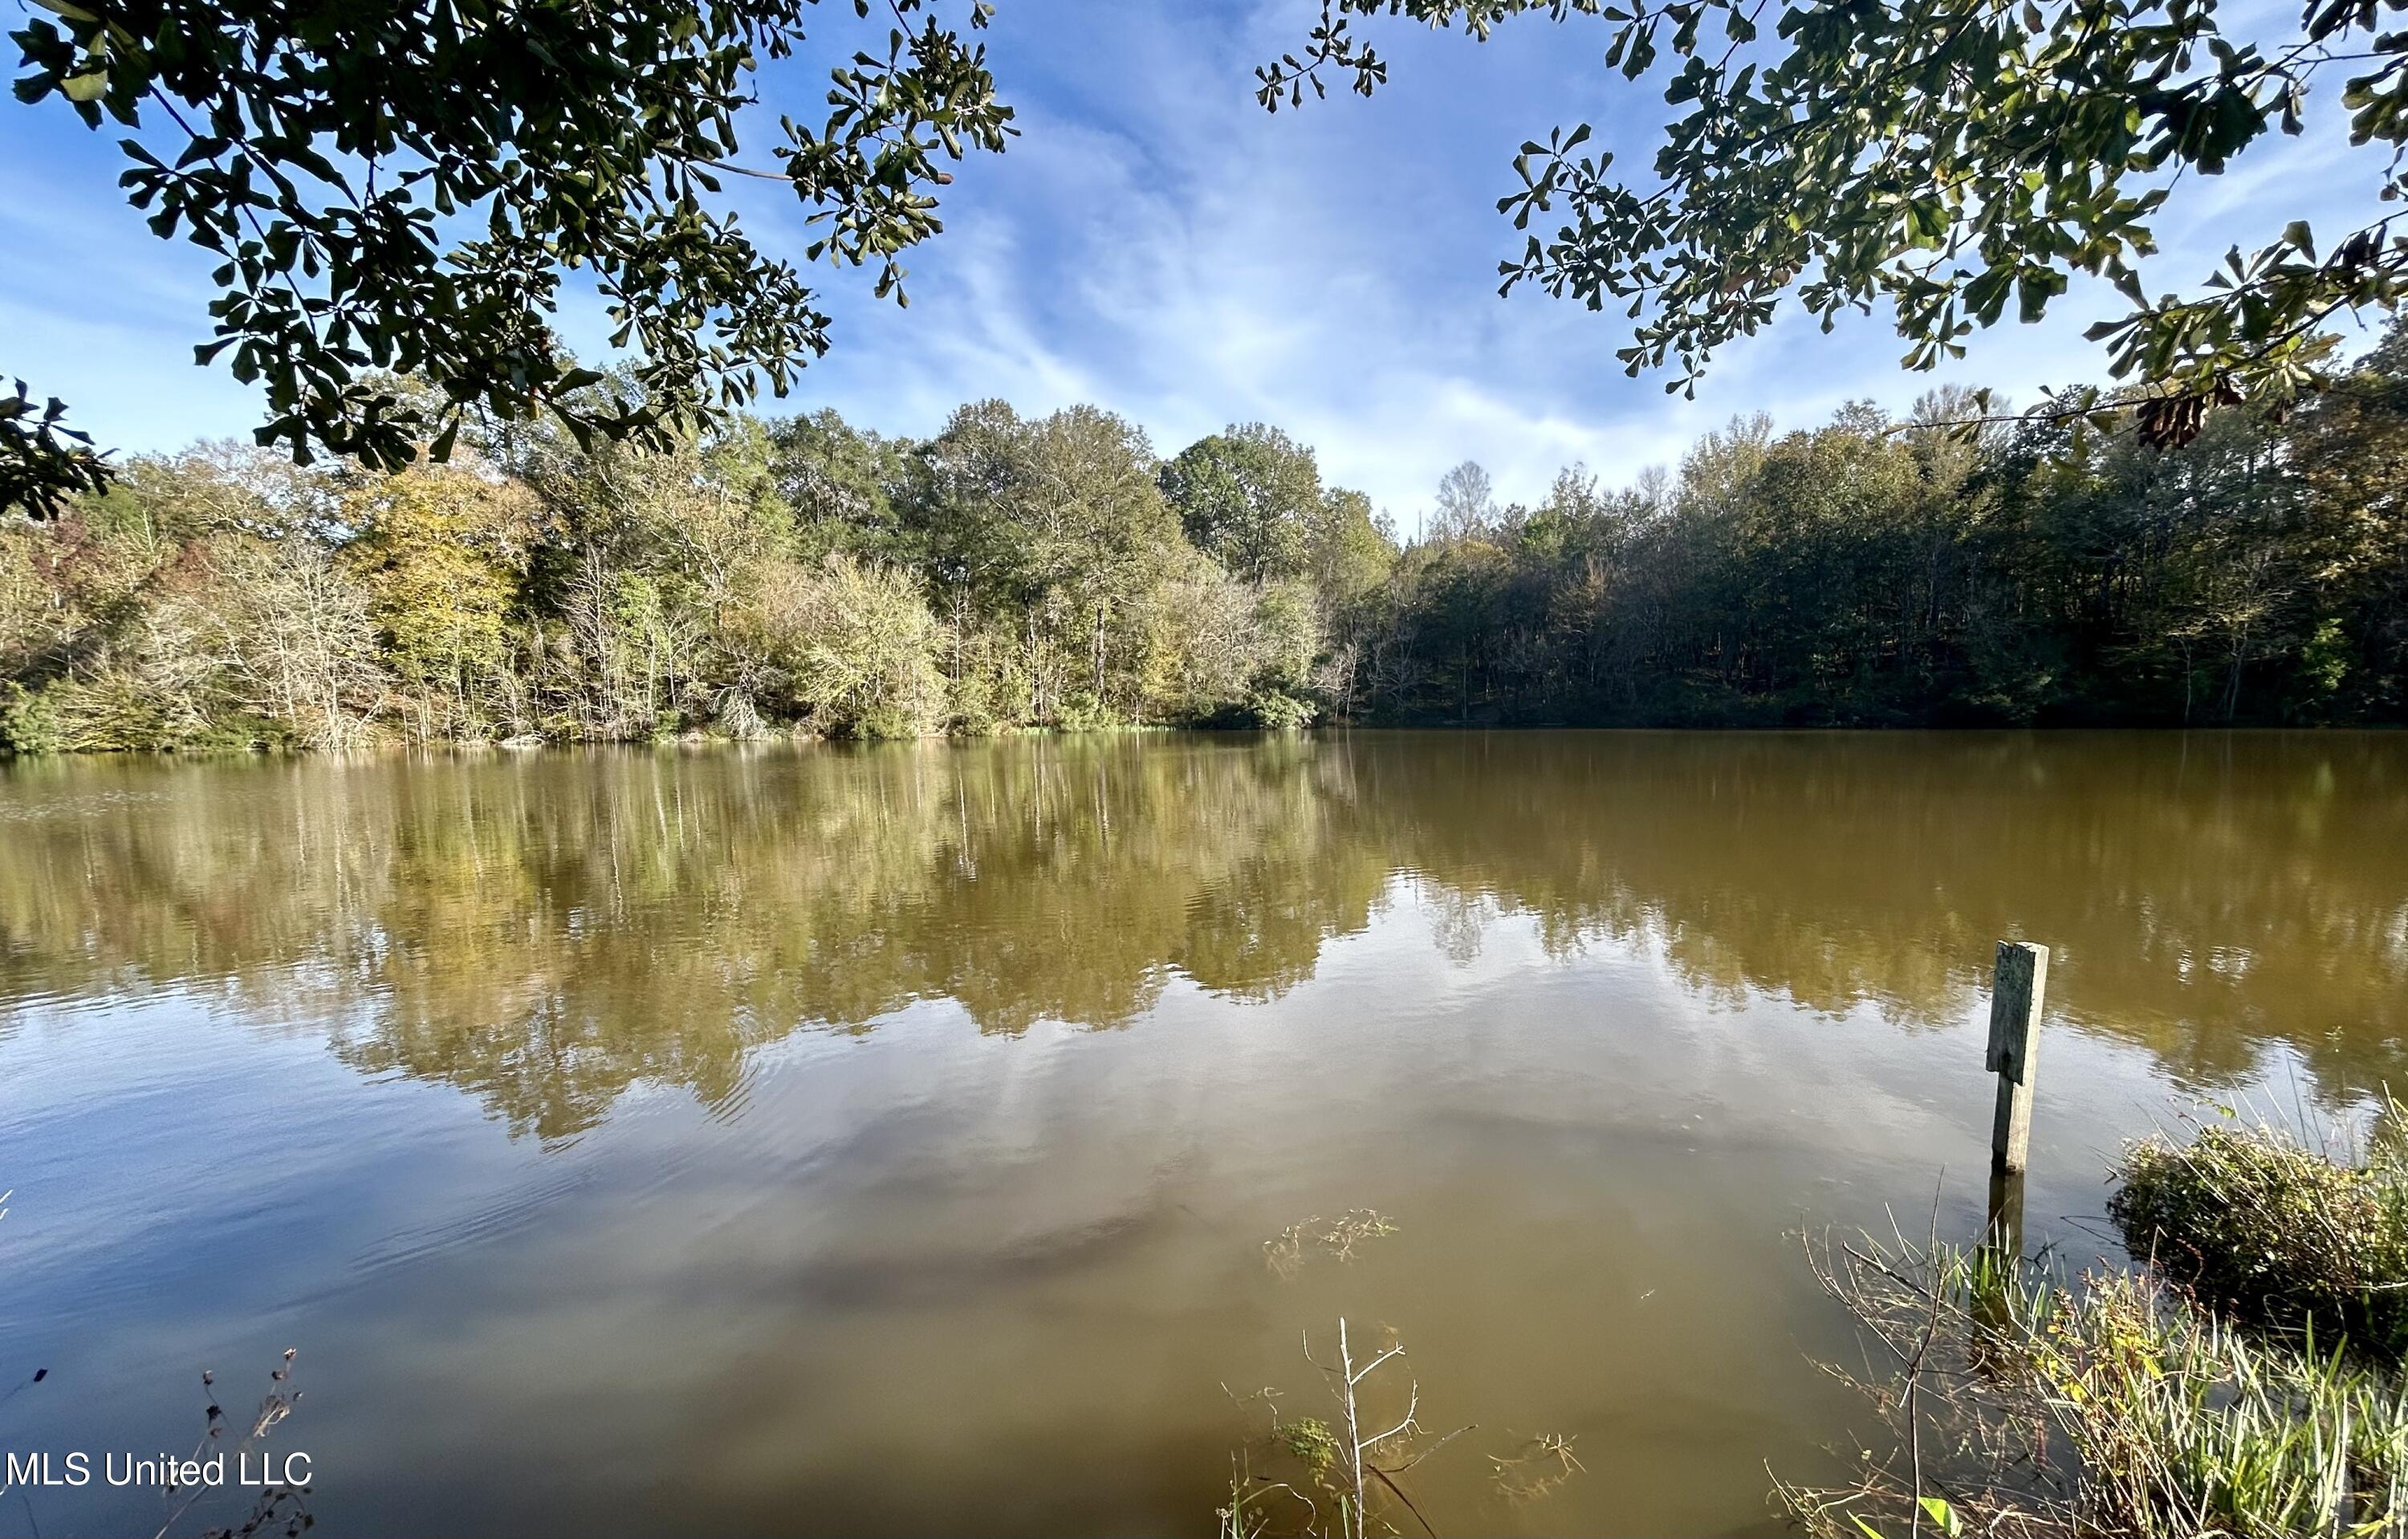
[
  {"x": 400, "y": 187},
  {"x": 1016, "y": 572},
  {"x": 1047, "y": 536},
  {"x": 847, "y": 489},
  {"x": 1248, "y": 497},
  {"x": 1351, "y": 548},
  {"x": 1945, "y": 158},
  {"x": 2351, "y": 448}
]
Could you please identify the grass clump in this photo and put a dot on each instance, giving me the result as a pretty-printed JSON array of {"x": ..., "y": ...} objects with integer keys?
[
  {"x": 2184, "y": 1423},
  {"x": 2279, "y": 1235},
  {"x": 2112, "y": 1403}
]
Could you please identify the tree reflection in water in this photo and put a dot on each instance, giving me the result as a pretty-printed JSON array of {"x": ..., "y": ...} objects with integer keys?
[{"x": 544, "y": 931}]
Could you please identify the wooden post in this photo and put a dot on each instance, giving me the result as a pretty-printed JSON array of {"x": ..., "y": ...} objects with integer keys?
[
  {"x": 2006, "y": 1228},
  {"x": 2002, "y": 1257},
  {"x": 2015, "y": 997}
]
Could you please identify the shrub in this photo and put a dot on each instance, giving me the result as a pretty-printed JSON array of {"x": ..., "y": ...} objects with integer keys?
[
  {"x": 2276, "y": 1233},
  {"x": 1083, "y": 712},
  {"x": 29, "y": 721},
  {"x": 853, "y": 646},
  {"x": 1278, "y": 710},
  {"x": 971, "y": 707},
  {"x": 884, "y": 721},
  {"x": 120, "y": 711}
]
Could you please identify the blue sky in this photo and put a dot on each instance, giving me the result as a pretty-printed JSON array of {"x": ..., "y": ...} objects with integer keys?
[{"x": 1156, "y": 243}]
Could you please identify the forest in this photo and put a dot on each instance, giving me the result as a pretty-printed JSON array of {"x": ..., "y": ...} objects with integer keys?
[{"x": 807, "y": 575}]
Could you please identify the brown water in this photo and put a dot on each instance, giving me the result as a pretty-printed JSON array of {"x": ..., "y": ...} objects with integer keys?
[{"x": 884, "y": 1141}]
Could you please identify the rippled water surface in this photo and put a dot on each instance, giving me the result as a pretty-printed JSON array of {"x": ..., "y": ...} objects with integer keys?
[{"x": 885, "y": 1139}]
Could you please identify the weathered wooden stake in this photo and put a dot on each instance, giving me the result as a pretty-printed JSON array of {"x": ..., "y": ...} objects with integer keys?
[
  {"x": 2016, "y": 996},
  {"x": 2005, "y": 1235},
  {"x": 2002, "y": 1247}
]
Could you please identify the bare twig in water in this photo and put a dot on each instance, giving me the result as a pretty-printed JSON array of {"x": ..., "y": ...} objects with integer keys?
[
  {"x": 282, "y": 1505},
  {"x": 1539, "y": 1468},
  {"x": 1401, "y": 1443}
]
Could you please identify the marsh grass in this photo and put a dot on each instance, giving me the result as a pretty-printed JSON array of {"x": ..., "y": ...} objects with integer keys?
[
  {"x": 2245, "y": 1381},
  {"x": 2018, "y": 1401}
]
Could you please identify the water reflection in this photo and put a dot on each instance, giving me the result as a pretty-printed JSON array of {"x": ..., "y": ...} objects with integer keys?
[{"x": 542, "y": 933}]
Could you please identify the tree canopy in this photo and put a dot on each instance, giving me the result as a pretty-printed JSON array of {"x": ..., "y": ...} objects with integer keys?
[
  {"x": 1945, "y": 158},
  {"x": 400, "y": 187}
]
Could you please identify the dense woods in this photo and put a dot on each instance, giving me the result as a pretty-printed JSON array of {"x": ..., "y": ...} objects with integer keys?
[{"x": 807, "y": 574}]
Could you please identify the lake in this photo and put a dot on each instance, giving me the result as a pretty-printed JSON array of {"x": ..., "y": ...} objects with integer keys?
[{"x": 886, "y": 1140}]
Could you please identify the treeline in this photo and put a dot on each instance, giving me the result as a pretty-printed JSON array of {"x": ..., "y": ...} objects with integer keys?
[
  {"x": 1874, "y": 573},
  {"x": 804, "y": 574},
  {"x": 792, "y": 574}
]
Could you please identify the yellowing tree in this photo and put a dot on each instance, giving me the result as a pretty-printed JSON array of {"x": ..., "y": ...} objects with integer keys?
[
  {"x": 853, "y": 646},
  {"x": 442, "y": 553}
]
